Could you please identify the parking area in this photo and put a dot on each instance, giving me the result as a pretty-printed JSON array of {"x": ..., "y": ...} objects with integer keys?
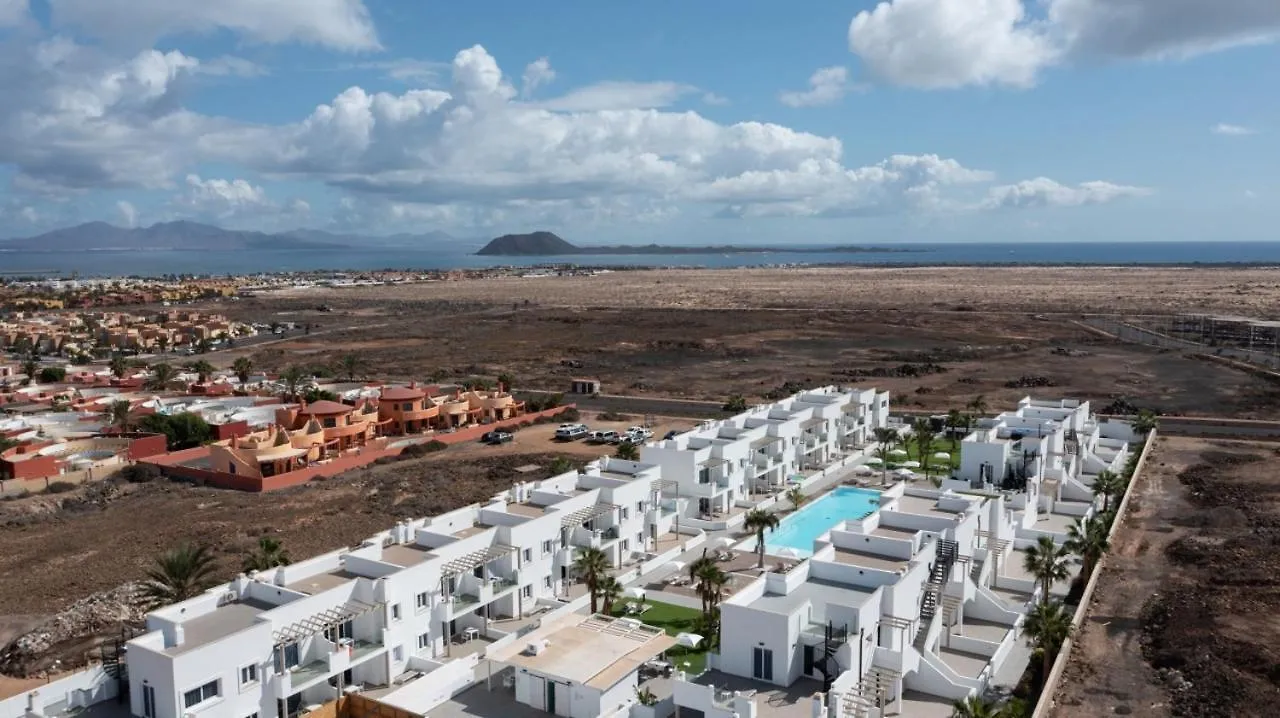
[{"x": 541, "y": 438}]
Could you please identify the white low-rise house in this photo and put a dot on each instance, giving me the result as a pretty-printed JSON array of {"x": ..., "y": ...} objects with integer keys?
[
  {"x": 722, "y": 462},
  {"x": 396, "y": 606}
]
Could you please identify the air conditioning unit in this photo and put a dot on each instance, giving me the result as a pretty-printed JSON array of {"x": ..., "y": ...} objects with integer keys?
[{"x": 535, "y": 648}]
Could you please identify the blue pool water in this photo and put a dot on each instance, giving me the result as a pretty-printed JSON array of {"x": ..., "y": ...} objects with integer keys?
[{"x": 814, "y": 519}]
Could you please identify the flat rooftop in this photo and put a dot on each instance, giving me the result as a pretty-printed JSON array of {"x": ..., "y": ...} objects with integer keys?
[
  {"x": 870, "y": 560},
  {"x": 406, "y": 554},
  {"x": 218, "y": 624},
  {"x": 530, "y": 510},
  {"x": 592, "y": 650},
  {"x": 321, "y": 581},
  {"x": 923, "y": 506},
  {"x": 817, "y": 591},
  {"x": 893, "y": 532},
  {"x": 470, "y": 531}
]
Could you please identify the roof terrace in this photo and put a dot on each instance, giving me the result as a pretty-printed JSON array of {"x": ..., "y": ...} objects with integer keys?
[{"x": 218, "y": 624}]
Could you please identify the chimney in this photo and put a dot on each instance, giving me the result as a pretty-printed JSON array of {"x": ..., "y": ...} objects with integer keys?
[
  {"x": 413, "y": 385},
  {"x": 179, "y": 635}
]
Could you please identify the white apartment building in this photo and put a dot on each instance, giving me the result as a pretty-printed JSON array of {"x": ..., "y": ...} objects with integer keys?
[
  {"x": 274, "y": 643},
  {"x": 913, "y": 597},
  {"x": 725, "y": 461}
]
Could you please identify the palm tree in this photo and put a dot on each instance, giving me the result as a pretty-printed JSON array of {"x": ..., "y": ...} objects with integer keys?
[
  {"x": 31, "y": 367},
  {"x": 956, "y": 419},
  {"x": 269, "y": 554},
  {"x": 351, "y": 365},
  {"x": 119, "y": 367},
  {"x": 161, "y": 376},
  {"x": 1047, "y": 627},
  {"x": 119, "y": 413},
  {"x": 974, "y": 707},
  {"x": 886, "y": 438},
  {"x": 1089, "y": 541},
  {"x": 292, "y": 378},
  {"x": 162, "y": 341},
  {"x": 180, "y": 573},
  {"x": 1107, "y": 484},
  {"x": 203, "y": 370},
  {"x": 610, "y": 593},
  {"x": 591, "y": 565},
  {"x": 628, "y": 451},
  {"x": 703, "y": 570},
  {"x": 796, "y": 496},
  {"x": 242, "y": 367},
  {"x": 1145, "y": 421},
  {"x": 977, "y": 405},
  {"x": 922, "y": 437},
  {"x": 506, "y": 380},
  {"x": 759, "y": 522},
  {"x": 1047, "y": 562}
]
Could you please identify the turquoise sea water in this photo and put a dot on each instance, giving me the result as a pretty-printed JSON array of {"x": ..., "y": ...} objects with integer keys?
[{"x": 798, "y": 530}]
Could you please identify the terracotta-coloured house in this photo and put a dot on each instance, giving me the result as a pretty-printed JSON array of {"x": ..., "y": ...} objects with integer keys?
[
  {"x": 407, "y": 409},
  {"x": 345, "y": 426},
  {"x": 269, "y": 452}
]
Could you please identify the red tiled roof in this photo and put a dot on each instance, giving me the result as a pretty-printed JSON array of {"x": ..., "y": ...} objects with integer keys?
[
  {"x": 326, "y": 408},
  {"x": 400, "y": 393}
]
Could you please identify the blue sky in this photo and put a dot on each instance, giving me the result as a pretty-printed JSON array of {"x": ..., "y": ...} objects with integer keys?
[{"x": 910, "y": 120}]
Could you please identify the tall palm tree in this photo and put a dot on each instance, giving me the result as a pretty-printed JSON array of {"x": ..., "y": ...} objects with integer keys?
[
  {"x": 922, "y": 438},
  {"x": 591, "y": 565},
  {"x": 162, "y": 341},
  {"x": 1048, "y": 563},
  {"x": 610, "y": 593},
  {"x": 203, "y": 370},
  {"x": 180, "y": 573},
  {"x": 704, "y": 570},
  {"x": 886, "y": 439},
  {"x": 242, "y": 367},
  {"x": 119, "y": 413},
  {"x": 292, "y": 378},
  {"x": 119, "y": 367},
  {"x": 974, "y": 707},
  {"x": 270, "y": 553},
  {"x": 1047, "y": 627},
  {"x": 506, "y": 380},
  {"x": 759, "y": 522},
  {"x": 1107, "y": 484},
  {"x": 351, "y": 365},
  {"x": 977, "y": 405},
  {"x": 796, "y": 496},
  {"x": 711, "y": 580},
  {"x": 1089, "y": 541},
  {"x": 161, "y": 376},
  {"x": 956, "y": 419}
]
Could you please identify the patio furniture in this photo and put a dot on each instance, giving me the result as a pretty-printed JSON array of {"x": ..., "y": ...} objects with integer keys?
[{"x": 470, "y": 634}]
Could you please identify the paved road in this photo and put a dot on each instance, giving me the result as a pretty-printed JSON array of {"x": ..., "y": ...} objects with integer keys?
[{"x": 687, "y": 408}]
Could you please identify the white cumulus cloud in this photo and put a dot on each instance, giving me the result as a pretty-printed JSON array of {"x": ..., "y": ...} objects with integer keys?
[
  {"x": 339, "y": 24},
  {"x": 223, "y": 198},
  {"x": 827, "y": 85},
  {"x": 536, "y": 74},
  {"x": 619, "y": 96},
  {"x": 1044, "y": 192},
  {"x": 952, "y": 43},
  {"x": 1222, "y": 128}
]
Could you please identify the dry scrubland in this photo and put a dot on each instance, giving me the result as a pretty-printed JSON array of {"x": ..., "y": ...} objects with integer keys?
[
  {"x": 936, "y": 337},
  {"x": 1184, "y": 619}
]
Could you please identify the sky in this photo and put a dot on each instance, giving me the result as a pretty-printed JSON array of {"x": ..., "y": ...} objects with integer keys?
[{"x": 660, "y": 121}]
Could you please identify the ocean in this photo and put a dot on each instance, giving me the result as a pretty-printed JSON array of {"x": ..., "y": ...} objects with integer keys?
[{"x": 163, "y": 262}]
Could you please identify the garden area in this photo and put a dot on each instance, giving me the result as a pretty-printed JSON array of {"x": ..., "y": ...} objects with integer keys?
[{"x": 674, "y": 620}]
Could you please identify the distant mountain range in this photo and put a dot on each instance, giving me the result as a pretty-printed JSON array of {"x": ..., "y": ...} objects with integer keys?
[
  {"x": 194, "y": 236},
  {"x": 547, "y": 244}
]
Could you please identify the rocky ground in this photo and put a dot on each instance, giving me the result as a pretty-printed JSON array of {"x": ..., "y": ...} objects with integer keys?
[{"x": 1183, "y": 621}]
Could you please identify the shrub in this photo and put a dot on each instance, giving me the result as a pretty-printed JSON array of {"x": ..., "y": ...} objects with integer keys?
[
  {"x": 416, "y": 450},
  {"x": 570, "y": 414},
  {"x": 736, "y": 403},
  {"x": 139, "y": 473},
  {"x": 613, "y": 416},
  {"x": 61, "y": 487},
  {"x": 52, "y": 374}
]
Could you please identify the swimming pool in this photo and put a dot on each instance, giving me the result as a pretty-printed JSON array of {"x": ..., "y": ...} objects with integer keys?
[{"x": 798, "y": 530}]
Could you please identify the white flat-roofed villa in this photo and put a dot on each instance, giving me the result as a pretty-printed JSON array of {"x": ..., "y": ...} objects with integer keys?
[{"x": 870, "y": 602}]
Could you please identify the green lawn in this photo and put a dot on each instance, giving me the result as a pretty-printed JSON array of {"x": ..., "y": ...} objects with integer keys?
[
  {"x": 935, "y": 464},
  {"x": 673, "y": 619}
]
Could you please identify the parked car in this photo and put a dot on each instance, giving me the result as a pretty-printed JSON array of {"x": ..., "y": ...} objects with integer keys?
[
  {"x": 497, "y": 437},
  {"x": 640, "y": 431},
  {"x": 608, "y": 437},
  {"x": 571, "y": 432}
]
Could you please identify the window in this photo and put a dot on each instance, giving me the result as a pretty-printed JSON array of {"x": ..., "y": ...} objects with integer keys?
[
  {"x": 762, "y": 664},
  {"x": 196, "y": 696},
  {"x": 527, "y": 591},
  {"x": 343, "y": 630},
  {"x": 639, "y": 538},
  {"x": 528, "y": 555},
  {"x": 625, "y": 545},
  {"x": 286, "y": 658},
  {"x": 422, "y": 601},
  {"x": 408, "y": 406},
  {"x": 546, "y": 582},
  {"x": 625, "y": 512},
  {"x": 639, "y": 507},
  {"x": 395, "y": 612},
  {"x": 546, "y": 547},
  {"x": 248, "y": 674},
  {"x": 704, "y": 476},
  {"x": 424, "y": 640},
  {"x": 397, "y": 653},
  {"x": 330, "y": 423}
]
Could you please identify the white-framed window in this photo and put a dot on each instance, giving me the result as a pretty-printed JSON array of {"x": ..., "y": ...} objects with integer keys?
[
  {"x": 424, "y": 640},
  {"x": 422, "y": 601},
  {"x": 397, "y": 653},
  {"x": 248, "y": 675},
  {"x": 527, "y": 591},
  {"x": 528, "y": 555},
  {"x": 639, "y": 507},
  {"x": 395, "y": 612},
  {"x": 202, "y": 694},
  {"x": 546, "y": 547},
  {"x": 546, "y": 582},
  {"x": 625, "y": 512},
  {"x": 639, "y": 538}
]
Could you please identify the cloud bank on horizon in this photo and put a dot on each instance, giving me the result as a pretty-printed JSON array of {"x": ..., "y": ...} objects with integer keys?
[{"x": 105, "y": 118}]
